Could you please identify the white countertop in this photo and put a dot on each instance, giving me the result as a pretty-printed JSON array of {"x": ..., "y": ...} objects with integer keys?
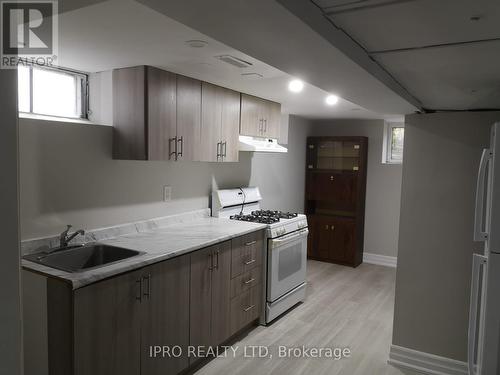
[{"x": 158, "y": 244}]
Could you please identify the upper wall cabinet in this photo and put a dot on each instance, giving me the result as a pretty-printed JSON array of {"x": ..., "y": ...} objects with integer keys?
[
  {"x": 144, "y": 113},
  {"x": 260, "y": 117},
  {"x": 156, "y": 115},
  {"x": 188, "y": 118},
  {"x": 220, "y": 119}
]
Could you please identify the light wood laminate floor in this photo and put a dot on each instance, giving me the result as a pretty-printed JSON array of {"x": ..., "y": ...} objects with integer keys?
[{"x": 345, "y": 307}]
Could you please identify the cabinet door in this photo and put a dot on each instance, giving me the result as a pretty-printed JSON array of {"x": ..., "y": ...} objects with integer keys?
[
  {"x": 272, "y": 120},
  {"x": 343, "y": 243},
  {"x": 323, "y": 237},
  {"x": 188, "y": 118},
  {"x": 165, "y": 314},
  {"x": 230, "y": 124},
  {"x": 162, "y": 92},
  {"x": 245, "y": 308},
  {"x": 129, "y": 113},
  {"x": 320, "y": 186},
  {"x": 201, "y": 298},
  {"x": 107, "y": 327},
  {"x": 251, "y": 116},
  {"x": 344, "y": 189},
  {"x": 211, "y": 118},
  {"x": 221, "y": 293}
]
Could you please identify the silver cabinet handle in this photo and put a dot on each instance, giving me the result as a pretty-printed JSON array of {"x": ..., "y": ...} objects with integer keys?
[
  {"x": 211, "y": 256},
  {"x": 250, "y": 262},
  {"x": 261, "y": 126},
  {"x": 148, "y": 292},
  {"x": 174, "y": 152},
  {"x": 249, "y": 281},
  {"x": 250, "y": 243},
  {"x": 217, "y": 259},
  {"x": 248, "y": 308},
  {"x": 181, "y": 141},
  {"x": 138, "y": 283},
  {"x": 219, "y": 147},
  {"x": 265, "y": 125},
  {"x": 224, "y": 153}
]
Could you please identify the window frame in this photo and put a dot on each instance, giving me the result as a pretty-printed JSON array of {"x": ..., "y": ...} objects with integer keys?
[
  {"x": 82, "y": 96},
  {"x": 387, "y": 143}
]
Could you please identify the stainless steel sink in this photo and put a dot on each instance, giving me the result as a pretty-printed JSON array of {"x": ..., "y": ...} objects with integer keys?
[{"x": 81, "y": 258}]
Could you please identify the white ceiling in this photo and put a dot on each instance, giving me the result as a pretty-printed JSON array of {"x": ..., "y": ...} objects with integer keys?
[
  {"x": 267, "y": 31},
  {"x": 119, "y": 33},
  {"x": 433, "y": 48}
]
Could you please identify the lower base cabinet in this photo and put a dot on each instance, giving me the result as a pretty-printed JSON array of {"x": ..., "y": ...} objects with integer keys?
[
  {"x": 245, "y": 308},
  {"x": 107, "y": 329},
  {"x": 210, "y": 296},
  {"x": 118, "y": 321},
  {"x": 333, "y": 239},
  {"x": 112, "y": 327}
]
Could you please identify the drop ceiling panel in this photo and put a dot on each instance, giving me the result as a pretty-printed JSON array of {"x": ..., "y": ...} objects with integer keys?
[
  {"x": 458, "y": 77},
  {"x": 416, "y": 23}
]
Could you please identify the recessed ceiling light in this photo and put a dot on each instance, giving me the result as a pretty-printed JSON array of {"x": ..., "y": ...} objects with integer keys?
[
  {"x": 331, "y": 99},
  {"x": 296, "y": 85},
  {"x": 196, "y": 43}
]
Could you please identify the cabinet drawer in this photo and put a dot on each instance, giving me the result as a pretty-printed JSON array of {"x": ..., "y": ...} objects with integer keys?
[
  {"x": 245, "y": 308},
  {"x": 246, "y": 253},
  {"x": 245, "y": 281}
]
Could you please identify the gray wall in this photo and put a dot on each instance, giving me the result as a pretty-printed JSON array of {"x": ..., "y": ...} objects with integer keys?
[
  {"x": 383, "y": 187},
  {"x": 68, "y": 177},
  {"x": 442, "y": 153},
  {"x": 10, "y": 310}
]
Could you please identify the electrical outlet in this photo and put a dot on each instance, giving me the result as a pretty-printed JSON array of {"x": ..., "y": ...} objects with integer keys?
[{"x": 167, "y": 193}]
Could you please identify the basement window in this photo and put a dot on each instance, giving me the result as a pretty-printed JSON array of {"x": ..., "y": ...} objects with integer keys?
[
  {"x": 52, "y": 92},
  {"x": 392, "y": 150}
]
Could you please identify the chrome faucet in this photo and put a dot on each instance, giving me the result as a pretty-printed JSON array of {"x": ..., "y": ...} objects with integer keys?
[{"x": 64, "y": 239}]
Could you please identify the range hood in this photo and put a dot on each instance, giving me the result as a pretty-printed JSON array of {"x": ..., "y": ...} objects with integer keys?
[{"x": 257, "y": 144}]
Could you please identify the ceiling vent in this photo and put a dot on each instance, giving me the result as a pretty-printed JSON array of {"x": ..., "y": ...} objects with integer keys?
[
  {"x": 234, "y": 61},
  {"x": 252, "y": 75}
]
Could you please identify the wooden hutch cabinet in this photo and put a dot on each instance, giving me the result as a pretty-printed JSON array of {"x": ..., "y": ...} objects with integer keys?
[{"x": 335, "y": 198}]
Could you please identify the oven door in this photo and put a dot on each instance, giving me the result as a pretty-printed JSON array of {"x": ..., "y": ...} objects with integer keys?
[{"x": 287, "y": 257}]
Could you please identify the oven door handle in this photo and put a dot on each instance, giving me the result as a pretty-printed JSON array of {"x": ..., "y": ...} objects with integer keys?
[{"x": 290, "y": 238}]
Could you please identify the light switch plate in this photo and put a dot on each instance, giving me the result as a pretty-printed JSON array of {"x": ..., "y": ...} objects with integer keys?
[{"x": 167, "y": 193}]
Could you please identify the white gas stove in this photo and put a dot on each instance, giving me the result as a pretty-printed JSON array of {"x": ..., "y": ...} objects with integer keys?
[{"x": 286, "y": 253}]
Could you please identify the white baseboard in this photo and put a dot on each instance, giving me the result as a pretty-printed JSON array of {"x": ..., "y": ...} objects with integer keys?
[
  {"x": 381, "y": 260},
  {"x": 425, "y": 363}
]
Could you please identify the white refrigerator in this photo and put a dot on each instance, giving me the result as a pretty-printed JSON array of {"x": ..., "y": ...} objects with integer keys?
[{"x": 484, "y": 316}]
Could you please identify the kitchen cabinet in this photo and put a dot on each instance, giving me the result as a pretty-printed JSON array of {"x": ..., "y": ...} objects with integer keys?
[
  {"x": 117, "y": 320},
  {"x": 165, "y": 314},
  {"x": 246, "y": 280},
  {"x": 220, "y": 118},
  {"x": 332, "y": 238},
  {"x": 335, "y": 198},
  {"x": 188, "y": 118},
  {"x": 108, "y": 327},
  {"x": 144, "y": 113},
  {"x": 210, "y": 296},
  {"x": 260, "y": 117}
]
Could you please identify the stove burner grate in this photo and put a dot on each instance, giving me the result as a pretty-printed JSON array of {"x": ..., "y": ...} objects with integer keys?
[{"x": 264, "y": 216}]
